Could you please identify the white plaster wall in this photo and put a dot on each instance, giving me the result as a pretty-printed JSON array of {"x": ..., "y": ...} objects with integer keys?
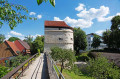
[
  {"x": 64, "y": 46},
  {"x": 52, "y": 36}
]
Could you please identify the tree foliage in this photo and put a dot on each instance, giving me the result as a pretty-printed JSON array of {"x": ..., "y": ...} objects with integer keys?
[
  {"x": 4, "y": 70},
  {"x": 101, "y": 68},
  {"x": 96, "y": 41},
  {"x": 106, "y": 38},
  {"x": 16, "y": 61},
  {"x": 28, "y": 39},
  {"x": 115, "y": 23},
  {"x": 52, "y": 2},
  {"x": 38, "y": 44},
  {"x": 12, "y": 14},
  {"x": 80, "y": 41},
  {"x": 2, "y": 38},
  {"x": 35, "y": 45},
  {"x": 13, "y": 39},
  {"x": 63, "y": 55},
  {"x": 112, "y": 37}
]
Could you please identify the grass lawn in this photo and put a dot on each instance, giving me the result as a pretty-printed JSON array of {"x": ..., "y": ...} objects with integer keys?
[{"x": 72, "y": 75}]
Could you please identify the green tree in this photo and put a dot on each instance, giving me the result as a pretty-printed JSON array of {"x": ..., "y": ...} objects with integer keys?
[
  {"x": 63, "y": 55},
  {"x": 38, "y": 44},
  {"x": 29, "y": 40},
  {"x": 80, "y": 41},
  {"x": 52, "y": 2},
  {"x": 4, "y": 70},
  {"x": 2, "y": 38},
  {"x": 115, "y": 39},
  {"x": 13, "y": 39},
  {"x": 115, "y": 32},
  {"x": 16, "y": 61},
  {"x": 96, "y": 41},
  {"x": 115, "y": 23},
  {"x": 106, "y": 38},
  {"x": 12, "y": 13},
  {"x": 101, "y": 68}
]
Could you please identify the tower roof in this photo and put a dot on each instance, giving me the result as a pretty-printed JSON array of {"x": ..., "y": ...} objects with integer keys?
[{"x": 56, "y": 24}]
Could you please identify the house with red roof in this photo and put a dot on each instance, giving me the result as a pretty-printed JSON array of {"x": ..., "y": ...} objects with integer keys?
[
  {"x": 22, "y": 46},
  {"x": 9, "y": 49}
]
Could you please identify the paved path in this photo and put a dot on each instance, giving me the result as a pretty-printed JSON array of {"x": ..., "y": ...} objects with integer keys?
[{"x": 37, "y": 70}]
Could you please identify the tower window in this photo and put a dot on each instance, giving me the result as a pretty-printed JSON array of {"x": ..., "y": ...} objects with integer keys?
[
  {"x": 60, "y": 38},
  {"x": 60, "y": 28}
]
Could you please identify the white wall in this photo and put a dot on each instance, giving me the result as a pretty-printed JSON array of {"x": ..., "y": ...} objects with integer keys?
[{"x": 53, "y": 36}]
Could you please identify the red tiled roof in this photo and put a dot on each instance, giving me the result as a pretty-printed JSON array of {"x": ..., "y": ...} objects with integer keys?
[
  {"x": 19, "y": 45},
  {"x": 13, "y": 47},
  {"x": 56, "y": 24},
  {"x": 24, "y": 44}
]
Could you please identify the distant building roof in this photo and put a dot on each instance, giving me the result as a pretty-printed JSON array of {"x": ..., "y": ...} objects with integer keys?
[
  {"x": 13, "y": 46},
  {"x": 91, "y": 34},
  {"x": 24, "y": 44},
  {"x": 95, "y": 34},
  {"x": 55, "y": 24}
]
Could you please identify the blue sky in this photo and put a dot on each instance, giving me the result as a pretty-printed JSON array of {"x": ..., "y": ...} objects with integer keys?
[{"x": 93, "y": 16}]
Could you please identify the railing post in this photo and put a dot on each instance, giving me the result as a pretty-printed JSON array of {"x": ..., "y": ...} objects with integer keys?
[
  {"x": 22, "y": 70},
  {"x": 28, "y": 63}
]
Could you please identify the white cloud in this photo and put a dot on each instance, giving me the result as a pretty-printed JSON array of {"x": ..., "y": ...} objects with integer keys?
[
  {"x": 86, "y": 17},
  {"x": 102, "y": 19},
  {"x": 80, "y": 7},
  {"x": 9, "y": 36},
  {"x": 57, "y": 19},
  {"x": 99, "y": 32},
  {"x": 118, "y": 14},
  {"x": 32, "y": 13},
  {"x": 16, "y": 33},
  {"x": 94, "y": 13},
  {"x": 39, "y": 16},
  {"x": 78, "y": 23}
]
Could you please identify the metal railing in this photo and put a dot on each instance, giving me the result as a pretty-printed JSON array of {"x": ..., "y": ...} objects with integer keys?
[
  {"x": 54, "y": 72},
  {"x": 18, "y": 71}
]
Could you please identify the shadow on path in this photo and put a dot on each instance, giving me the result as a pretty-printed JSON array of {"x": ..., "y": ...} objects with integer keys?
[{"x": 45, "y": 74}]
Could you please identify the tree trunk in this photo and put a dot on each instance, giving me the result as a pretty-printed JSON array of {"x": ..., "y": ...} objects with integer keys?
[{"x": 62, "y": 65}]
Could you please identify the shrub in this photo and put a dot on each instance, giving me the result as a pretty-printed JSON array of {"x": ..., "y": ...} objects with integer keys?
[
  {"x": 101, "y": 68},
  {"x": 16, "y": 61},
  {"x": 4, "y": 70},
  {"x": 82, "y": 57},
  {"x": 38, "y": 51}
]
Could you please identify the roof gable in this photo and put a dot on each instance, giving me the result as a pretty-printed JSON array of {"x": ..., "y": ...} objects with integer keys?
[
  {"x": 13, "y": 46},
  {"x": 24, "y": 44}
]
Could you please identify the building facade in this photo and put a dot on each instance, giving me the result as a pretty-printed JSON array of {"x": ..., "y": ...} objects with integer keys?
[
  {"x": 58, "y": 33},
  {"x": 90, "y": 41}
]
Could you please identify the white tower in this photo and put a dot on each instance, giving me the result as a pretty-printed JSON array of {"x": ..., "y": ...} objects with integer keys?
[{"x": 58, "y": 33}]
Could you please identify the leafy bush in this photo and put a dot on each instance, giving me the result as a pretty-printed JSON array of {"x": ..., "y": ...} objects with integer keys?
[
  {"x": 38, "y": 51},
  {"x": 82, "y": 57},
  {"x": 16, "y": 61},
  {"x": 4, "y": 70},
  {"x": 101, "y": 68}
]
